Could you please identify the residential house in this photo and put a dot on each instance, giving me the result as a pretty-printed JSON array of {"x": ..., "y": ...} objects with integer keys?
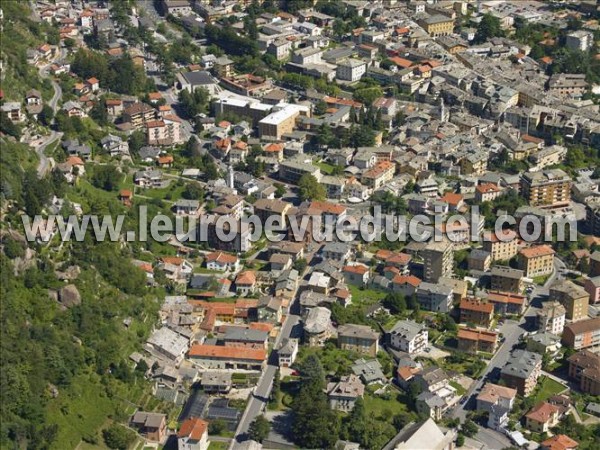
[
  {"x": 409, "y": 336},
  {"x": 357, "y": 274},
  {"x": 358, "y": 338},
  {"x": 287, "y": 352},
  {"x": 432, "y": 379},
  {"x": 343, "y": 394},
  {"x": 337, "y": 251},
  {"x": 245, "y": 283},
  {"x": 369, "y": 371},
  {"x": 431, "y": 405},
  {"x": 317, "y": 326},
  {"x": 541, "y": 418},
  {"x": 185, "y": 207},
  {"x": 216, "y": 382},
  {"x": 494, "y": 394},
  {"x": 507, "y": 302},
  {"x": 559, "y": 442},
  {"x": 423, "y": 435},
  {"x": 471, "y": 340},
  {"x": 152, "y": 426},
  {"x": 270, "y": 309},
  {"x": 477, "y": 312},
  {"x": 222, "y": 262},
  {"x": 193, "y": 435}
]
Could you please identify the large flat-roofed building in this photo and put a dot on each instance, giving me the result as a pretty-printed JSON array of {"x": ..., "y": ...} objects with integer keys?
[
  {"x": 281, "y": 121},
  {"x": 548, "y": 188},
  {"x": 583, "y": 334},
  {"x": 293, "y": 170},
  {"x": 573, "y": 297}
]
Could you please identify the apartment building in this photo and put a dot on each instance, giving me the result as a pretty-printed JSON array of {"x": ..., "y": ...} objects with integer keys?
[
  {"x": 163, "y": 132},
  {"x": 280, "y": 122},
  {"x": 139, "y": 114},
  {"x": 471, "y": 340},
  {"x": 437, "y": 260},
  {"x": 583, "y": 334},
  {"x": 507, "y": 279},
  {"x": 571, "y": 85},
  {"x": 293, "y": 170},
  {"x": 477, "y": 312},
  {"x": 548, "y": 188},
  {"x": 503, "y": 246},
  {"x": 507, "y": 302},
  {"x": 221, "y": 357},
  {"x": 494, "y": 394},
  {"x": 434, "y": 297},
  {"x": 522, "y": 371},
  {"x": 574, "y": 298},
  {"x": 358, "y": 338},
  {"x": 382, "y": 173},
  {"x": 351, "y": 70},
  {"x": 537, "y": 261},
  {"x": 584, "y": 367},
  {"x": 437, "y": 25},
  {"x": 551, "y": 318},
  {"x": 409, "y": 336}
]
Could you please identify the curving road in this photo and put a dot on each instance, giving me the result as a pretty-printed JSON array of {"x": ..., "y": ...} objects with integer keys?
[{"x": 45, "y": 163}]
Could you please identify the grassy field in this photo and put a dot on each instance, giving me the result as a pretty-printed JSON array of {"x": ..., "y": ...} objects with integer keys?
[
  {"x": 365, "y": 295},
  {"x": 214, "y": 445},
  {"x": 547, "y": 387},
  {"x": 325, "y": 168}
]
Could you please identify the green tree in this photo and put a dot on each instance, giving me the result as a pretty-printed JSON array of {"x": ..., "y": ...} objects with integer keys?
[
  {"x": 118, "y": 437},
  {"x": 279, "y": 190},
  {"x": 320, "y": 108},
  {"x": 489, "y": 27},
  {"x": 106, "y": 177},
  {"x": 259, "y": 429},
  {"x": 310, "y": 189},
  {"x": 46, "y": 116},
  {"x": 217, "y": 427},
  {"x": 300, "y": 265},
  {"x": 395, "y": 302}
]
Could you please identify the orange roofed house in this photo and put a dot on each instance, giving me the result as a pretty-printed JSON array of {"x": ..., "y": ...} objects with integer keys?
[
  {"x": 476, "y": 312},
  {"x": 245, "y": 283},
  {"x": 559, "y": 442},
  {"x": 472, "y": 341},
  {"x": 221, "y": 261},
  {"x": 212, "y": 357},
  {"x": 379, "y": 175},
  {"x": 542, "y": 417},
  {"x": 193, "y": 435}
]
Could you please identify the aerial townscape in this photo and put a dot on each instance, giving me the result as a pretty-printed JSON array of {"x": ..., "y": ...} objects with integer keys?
[{"x": 176, "y": 180}]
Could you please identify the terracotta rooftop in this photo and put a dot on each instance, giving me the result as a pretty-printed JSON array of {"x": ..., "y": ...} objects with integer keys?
[
  {"x": 537, "y": 251},
  {"x": 193, "y": 428},
  {"x": 222, "y": 352},
  {"x": 542, "y": 412}
]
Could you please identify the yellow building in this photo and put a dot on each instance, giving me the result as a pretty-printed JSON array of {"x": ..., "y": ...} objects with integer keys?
[
  {"x": 502, "y": 248},
  {"x": 537, "y": 261},
  {"x": 574, "y": 298},
  {"x": 549, "y": 188},
  {"x": 437, "y": 25}
]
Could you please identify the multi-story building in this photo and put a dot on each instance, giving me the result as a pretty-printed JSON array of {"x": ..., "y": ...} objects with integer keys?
[
  {"x": 163, "y": 132},
  {"x": 548, "y": 188},
  {"x": 437, "y": 260},
  {"x": 382, "y": 173},
  {"x": 502, "y": 247},
  {"x": 572, "y": 85},
  {"x": 287, "y": 352},
  {"x": 437, "y": 25},
  {"x": 551, "y": 318},
  {"x": 434, "y": 297},
  {"x": 522, "y": 371},
  {"x": 507, "y": 302},
  {"x": 574, "y": 298},
  {"x": 293, "y": 170},
  {"x": 227, "y": 358},
  {"x": 537, "y": 260},
  {"x": 592, "y": 218},
  {"x": 280, "y": 122},
  {"x": 139, "y": 114},
  {"x": 584, "y": 367},
  {"x": 193, "y": 435},
  {"x": 343, "y": 394},
  {"x": 583, "y": 334},
  {"x": 580, "y": 40},
  {"x": 280, "y": 48},
  {"x": 409, "y": 336},
  {"x": 507, "y": 279},
  {"x": 223, "y": 233},
  {"x": 358, "y": 338},
  {"x": 592, "y": 286},
  {"x": 351, "y": 70},
  {"x": 477, "y": 312},
  {"x": 471, "y": 340}
]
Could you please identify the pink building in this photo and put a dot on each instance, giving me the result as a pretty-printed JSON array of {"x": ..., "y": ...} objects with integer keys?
[{"x": 592, "y": 286}]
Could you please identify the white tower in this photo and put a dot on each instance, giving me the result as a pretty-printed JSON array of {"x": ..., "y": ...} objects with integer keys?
[{"x": 230, "y": 177}]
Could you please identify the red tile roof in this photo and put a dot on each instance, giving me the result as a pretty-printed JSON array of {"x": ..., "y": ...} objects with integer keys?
[
  {"x": 222, "y": 352},
  {"x": 193, "y": 428}
]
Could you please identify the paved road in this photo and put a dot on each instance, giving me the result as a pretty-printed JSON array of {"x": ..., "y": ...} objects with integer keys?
[
  {"x": 512, "y": 332},
  {"x": 260, "y": 397},
  {"x": 45, "y": 164}
]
